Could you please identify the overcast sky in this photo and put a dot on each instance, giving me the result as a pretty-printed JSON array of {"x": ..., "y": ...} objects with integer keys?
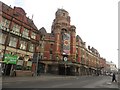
[{"x": 96, "y": 21}]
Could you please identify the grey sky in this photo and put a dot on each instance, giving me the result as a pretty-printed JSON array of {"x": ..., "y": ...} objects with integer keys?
[{"x": 96, "y": 21}]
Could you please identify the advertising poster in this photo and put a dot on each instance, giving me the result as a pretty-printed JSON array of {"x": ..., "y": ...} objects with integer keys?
[{"x": 66, "y": 43}]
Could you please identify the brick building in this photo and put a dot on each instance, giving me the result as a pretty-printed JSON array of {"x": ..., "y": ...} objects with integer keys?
[
  {"x": 63, "y": 52},
  {"x": 59, "y": 52}
]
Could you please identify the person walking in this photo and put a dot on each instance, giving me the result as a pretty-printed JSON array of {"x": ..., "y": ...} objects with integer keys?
[{"x": 114, "y": 78}]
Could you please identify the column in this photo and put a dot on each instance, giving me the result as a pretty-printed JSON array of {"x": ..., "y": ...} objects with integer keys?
[{"x": 46, "y": 68}]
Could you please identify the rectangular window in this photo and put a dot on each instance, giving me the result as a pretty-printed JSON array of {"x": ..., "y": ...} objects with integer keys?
[
  {"x": 5, "y": 24},
  {"x": 31, "y": 47},
  {"x": 23, "y": 45},
  {"x": 16, "y": 28},
  {"x": 25, "y": 33},
  {"x": 2, "y": 38},
  {"x": 33, "y": 35},
  {"x": 13, "y": 41}
]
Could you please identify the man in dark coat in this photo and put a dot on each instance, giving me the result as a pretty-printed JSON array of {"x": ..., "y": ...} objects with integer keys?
[{"x": 114, "y": 78}]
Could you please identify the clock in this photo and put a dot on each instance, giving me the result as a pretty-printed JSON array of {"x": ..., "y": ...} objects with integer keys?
[{"x": 65, "y": 58}]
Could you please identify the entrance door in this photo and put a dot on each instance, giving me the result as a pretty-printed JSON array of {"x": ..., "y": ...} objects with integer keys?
[
  {"x": 7, "y": 69},
  {"x": 61, "y": 70},
  {"x": 68, "y": 71}
]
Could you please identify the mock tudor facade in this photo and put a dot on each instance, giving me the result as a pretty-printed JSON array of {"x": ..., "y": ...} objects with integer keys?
[{"x": 60, "y": 52}]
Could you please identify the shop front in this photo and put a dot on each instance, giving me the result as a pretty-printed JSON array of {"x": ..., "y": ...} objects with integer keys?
[
  {"x": 9, "y": 64},
  {"x": 17, "y": 65},
  {"x": 24, "y": 66}
]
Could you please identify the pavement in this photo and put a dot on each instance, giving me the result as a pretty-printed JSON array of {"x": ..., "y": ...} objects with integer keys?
[
  {"x": 61, "y": 81},
  {"x": 35, "y": 78}
]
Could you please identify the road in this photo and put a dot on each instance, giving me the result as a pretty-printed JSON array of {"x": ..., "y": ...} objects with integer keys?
[{"x": 61, "y": 82}]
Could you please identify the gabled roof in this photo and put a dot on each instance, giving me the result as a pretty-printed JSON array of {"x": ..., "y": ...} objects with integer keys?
[
  {"x": 43, "y": 31},
  {"x": 31, "y": 23}
]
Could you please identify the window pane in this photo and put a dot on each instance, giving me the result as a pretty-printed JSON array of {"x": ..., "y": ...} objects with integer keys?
[
  {"x": 23, "y": 45},
  {"x": 25, "y": 33},
  {"x": 33, "y": 35},
  {"x": 2, "y": 38},
  {"x": 31, "y": 47},
  {"x": 5, "y": 23},
  {"x": 13, "y": 42},
  {"x": 16, "y": 28}
]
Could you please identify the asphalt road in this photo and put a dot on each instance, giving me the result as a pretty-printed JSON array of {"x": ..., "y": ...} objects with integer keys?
[{"x": 62, "y": 82}]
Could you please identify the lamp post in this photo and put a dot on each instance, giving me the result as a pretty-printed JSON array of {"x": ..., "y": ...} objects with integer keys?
[
  {"x": 36, "y": 72},
  {"x": 65, "y": 69},
  {"x": 65, "y": 60}
]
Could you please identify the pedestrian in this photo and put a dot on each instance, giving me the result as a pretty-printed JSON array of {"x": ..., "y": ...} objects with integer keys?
[
  {"x": 114, "y": 78},
  {"x": 38, "y": 72}
]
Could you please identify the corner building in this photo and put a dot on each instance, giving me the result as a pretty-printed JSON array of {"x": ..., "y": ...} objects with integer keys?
[
  {"x": 63, "y": 52},
  {"x": 26, "y": 50}
]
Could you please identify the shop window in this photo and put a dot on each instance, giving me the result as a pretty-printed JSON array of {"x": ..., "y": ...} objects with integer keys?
[
  {"x": 29, "y": 65},
  {"x": 19, "y": 67},
  {"x": 13, "y": 41}
]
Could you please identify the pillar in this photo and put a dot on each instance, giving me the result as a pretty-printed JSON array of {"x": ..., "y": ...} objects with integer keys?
[{"x": 46, "y": 68}]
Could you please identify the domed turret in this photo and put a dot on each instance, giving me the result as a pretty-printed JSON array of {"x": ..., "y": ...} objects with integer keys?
[
  {"x": 62, "y": 17},
  {"x": 61, "y": 13}
]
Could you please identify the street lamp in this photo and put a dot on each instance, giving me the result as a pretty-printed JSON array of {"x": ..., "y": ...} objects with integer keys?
[
  {"x": 65, "y": 59},
  {"x": 36, "y": 73}
]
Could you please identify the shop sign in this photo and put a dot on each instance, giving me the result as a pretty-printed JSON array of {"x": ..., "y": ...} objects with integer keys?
[{"x": 10, "y": 59}]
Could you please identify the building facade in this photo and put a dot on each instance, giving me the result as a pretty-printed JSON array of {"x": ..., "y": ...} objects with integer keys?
[
  {"x": 27, "y": 50},
  {"x": 111, "y": 67},
  {"x": 64, "y": 52},
  {"x": 19, "y": 39}
]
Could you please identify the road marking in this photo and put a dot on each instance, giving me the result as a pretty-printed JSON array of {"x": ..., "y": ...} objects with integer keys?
[
  {"x": 109, "y": 83},
  {"x": 60, "y": 85}
]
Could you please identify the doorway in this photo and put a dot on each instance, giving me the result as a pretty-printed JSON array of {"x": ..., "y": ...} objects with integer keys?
[{"x": 7, "y": 69}]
